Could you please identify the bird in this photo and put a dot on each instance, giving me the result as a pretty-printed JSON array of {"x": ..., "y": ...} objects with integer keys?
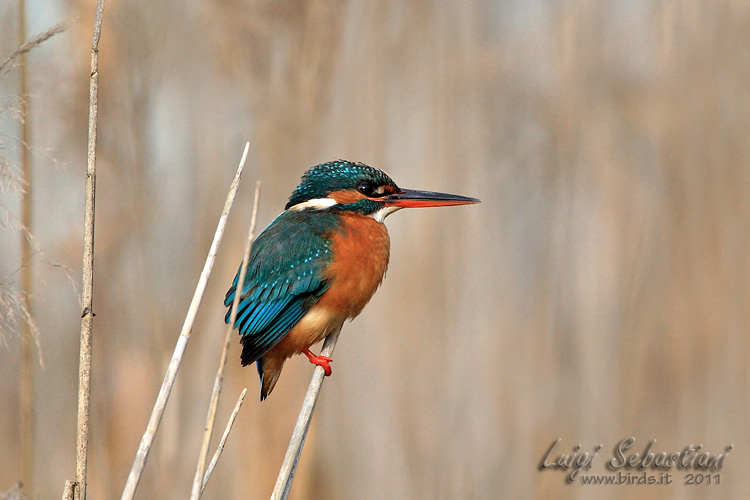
[{"x": 318, "y": 263}]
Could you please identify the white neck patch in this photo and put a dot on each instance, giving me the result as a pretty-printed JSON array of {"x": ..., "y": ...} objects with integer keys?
[
  {"x": 323, "y": 203},
  {"x": 315, "y": 204},
  {"x": 384, "y": 212}
]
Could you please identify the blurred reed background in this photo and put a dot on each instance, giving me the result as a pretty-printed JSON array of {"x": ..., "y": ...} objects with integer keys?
[{"x": 601, "y": 290}]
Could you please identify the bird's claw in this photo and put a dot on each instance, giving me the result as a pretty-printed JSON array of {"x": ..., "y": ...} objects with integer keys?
[{"x": 320, "y": 361}]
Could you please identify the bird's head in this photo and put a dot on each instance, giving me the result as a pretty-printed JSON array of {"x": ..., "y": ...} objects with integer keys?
[{"x": 356, "y": 187}]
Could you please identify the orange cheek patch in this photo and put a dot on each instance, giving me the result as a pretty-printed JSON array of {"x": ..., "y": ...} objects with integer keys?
[{"x": 346, "y": 196}]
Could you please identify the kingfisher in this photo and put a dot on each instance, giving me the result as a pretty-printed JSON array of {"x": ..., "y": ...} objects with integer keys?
[{"x": 318, "y": 263}]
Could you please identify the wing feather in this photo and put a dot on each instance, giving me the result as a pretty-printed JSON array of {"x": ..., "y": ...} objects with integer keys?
[{"x": 285, "y": 278}]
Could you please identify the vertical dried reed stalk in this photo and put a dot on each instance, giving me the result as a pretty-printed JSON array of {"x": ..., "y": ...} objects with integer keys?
[
  {"x": 169, "y": 378},
  {"x": 198, "y": 481},
  {"x": 27, "y": 342},
  {"x": 87, "y": 315},
  {"x": 294, "y": 450}
]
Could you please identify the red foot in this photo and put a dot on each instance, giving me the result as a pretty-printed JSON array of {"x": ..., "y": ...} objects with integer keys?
[{"x": 319, "y": 360}]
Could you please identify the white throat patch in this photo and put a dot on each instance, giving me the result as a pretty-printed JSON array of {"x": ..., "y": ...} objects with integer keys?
[
  {"x": 384, "y": 212},
  {"x": 315, "y": 204}
]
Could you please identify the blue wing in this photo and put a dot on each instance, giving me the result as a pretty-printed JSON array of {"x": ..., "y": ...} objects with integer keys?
[{"x": 285, "y": 278}]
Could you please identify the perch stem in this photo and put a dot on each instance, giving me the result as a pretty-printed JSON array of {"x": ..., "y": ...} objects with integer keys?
[{"x": 297, "y": 441}]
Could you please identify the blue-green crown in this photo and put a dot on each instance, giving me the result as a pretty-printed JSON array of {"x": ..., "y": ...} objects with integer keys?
[{"x": 326, "y": 178}]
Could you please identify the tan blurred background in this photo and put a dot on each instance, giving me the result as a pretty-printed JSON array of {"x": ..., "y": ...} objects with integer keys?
[{"x": 601, "y": 290}]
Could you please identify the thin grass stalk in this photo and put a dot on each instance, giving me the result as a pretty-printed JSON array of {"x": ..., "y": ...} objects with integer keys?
[
  {"x": 297, "y": 441},
  {"x": 223, "y": 440},
  {"x": 147, "y": 440},
  {"x": 27, "y": 342},
  {"x": 87, "y": 316},
  {"x": 218, "y": 381}
]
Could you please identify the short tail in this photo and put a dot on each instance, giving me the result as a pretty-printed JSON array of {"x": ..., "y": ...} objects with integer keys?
[{"x": 269, "y": 370}]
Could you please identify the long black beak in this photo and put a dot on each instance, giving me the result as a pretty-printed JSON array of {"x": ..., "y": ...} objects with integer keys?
[{"x": 410, "y": 198}]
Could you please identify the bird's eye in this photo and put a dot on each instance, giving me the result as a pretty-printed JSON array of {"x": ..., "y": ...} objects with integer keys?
[
  {"x": 370, "y": 190},
  {"x": 366, "y": 188}
]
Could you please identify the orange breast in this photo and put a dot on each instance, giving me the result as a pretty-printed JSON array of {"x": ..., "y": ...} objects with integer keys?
[
  {"x": 360, "y": 258},
  {"x": 360, "y": 249}
]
